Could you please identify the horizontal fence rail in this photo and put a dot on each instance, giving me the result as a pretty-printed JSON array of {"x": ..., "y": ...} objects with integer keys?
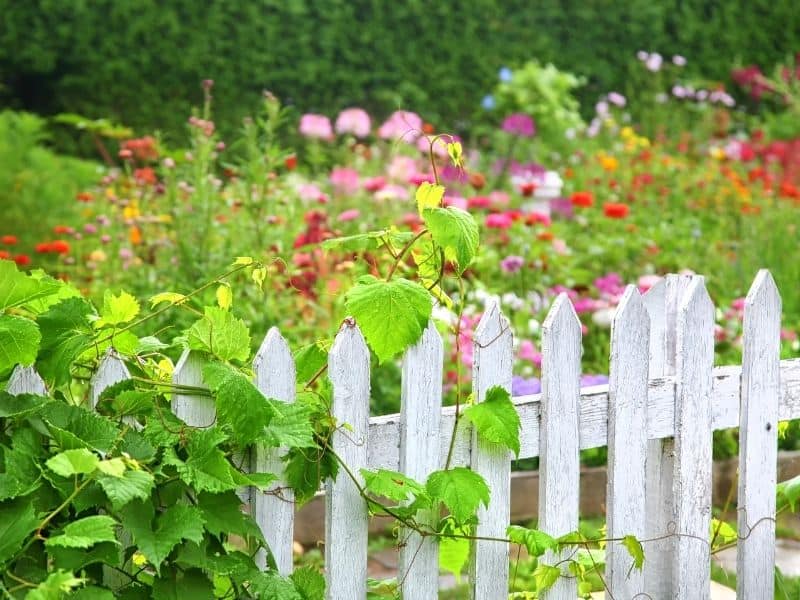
[{"x": 657, "y": 414}]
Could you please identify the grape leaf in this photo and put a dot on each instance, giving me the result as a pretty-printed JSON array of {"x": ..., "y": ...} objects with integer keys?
[
  {"x": 73, "y": 462},
  {"x": 273, "y": 586},
  {"x": 456, "y": 231},
  {"x": 634, "y": 548},
  {"x": 19, "y": 342},
  {"x": 391, "y": 314},
  {"x": 391, "y": 484},
  {"x": 85, "y": 532},
  {"x": 223, "y": 515},
  {"x": 462, "y": 491},
  {"x": 17, "y": 521},
  {"x": 496, "y": 419},
  {"x": 17, "y": 288},
  {"x": 118, "y": 309},
  {"x": 545, "y": 576},
  {"x": 309, "y": 582},
  {"x": 536, "y": 542},
  {"x": 66, "y": 332},
  {"x": 221, "y": 334},
  {"x": 55, "y": 586},
  {"x": 789, "y": 491},
  {"x": 453, "y": 552},
  {"x": 290, "y": 426},
  {"x": 132, "y": 484},
  {"x": 428, "y": 195}
]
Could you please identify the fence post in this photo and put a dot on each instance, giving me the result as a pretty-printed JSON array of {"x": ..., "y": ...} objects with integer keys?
[
  {"x": 627, "y": 440},
  {"x": 275, "y": 377},
  {"x": 25, "y": 380},
  {"x": 346, "y": 518},
  {"x": 693, "y": 443},
  {"x": 758, "y": 439},
  {"x": 194, "y": 410},
  {"x": 492, "y": 366},
  {"x": 420, "y": 417},
  {"x": 559, "y": 445}
]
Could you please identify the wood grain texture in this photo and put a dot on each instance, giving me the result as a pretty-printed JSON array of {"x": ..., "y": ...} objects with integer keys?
[
  {"x": 346, "y": 518},
  {"x": 275, "y": 377},
  {"x": 110, "y": 371},
  {"x": 420, "y": 416},
  {"x": 627, "y": 440},
  {"x": 758, "y": 439},
  {"x": 194, "y": 410},
  {"x": 693, "y": 443},
  {"x": 492, "y": 364},
  {"x": 25, "y": 380},
  {"x": 559, "y": 463}
]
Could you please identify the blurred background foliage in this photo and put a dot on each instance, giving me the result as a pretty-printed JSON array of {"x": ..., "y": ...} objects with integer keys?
[{"x": 139, "y": 62}]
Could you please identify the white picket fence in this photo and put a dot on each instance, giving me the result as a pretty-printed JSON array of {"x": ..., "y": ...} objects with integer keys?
[{"x": 656, "y": 415}]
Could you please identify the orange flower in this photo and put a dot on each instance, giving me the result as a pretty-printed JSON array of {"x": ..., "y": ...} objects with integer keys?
[
  {"x": 4, "y": 255},
  {"x": 145, "y": 176},
  {"x": 615, "y": 210},
  {"x": 9, "y": 240},
  {"x": 59, "y": 247},
  {"x": 58, "y": 229},
  {"x": 545, "y": 236},
  {"x": 582, "y": 199},
  {"x": 84, "y": 197},
  {"x": 135, "y": 236}
]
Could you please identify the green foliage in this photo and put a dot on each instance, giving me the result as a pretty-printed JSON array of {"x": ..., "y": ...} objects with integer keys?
[
  {"x": 461, "y": 490},
  {"x": 391, "y": 314},
  {"x": 221, "y": 334},
  {"x": 85, "y": 533},
  {"x": 634, "y": 548},
  {"x": 496, "y": 419},
  {"x": 536, "y": 542},
  {"x": 456, "y": 231}
]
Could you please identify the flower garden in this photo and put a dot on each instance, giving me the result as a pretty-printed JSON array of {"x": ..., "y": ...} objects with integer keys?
[{"x": 316, "y": 212}]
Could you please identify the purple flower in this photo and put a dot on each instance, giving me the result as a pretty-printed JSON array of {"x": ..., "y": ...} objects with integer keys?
[
  {"x": 616, "y": 99},
  {"x": 678, "y": 60},
  {"x": 519, "y": 124},
  {"x": 590, "y": 380},
  {"x": 512, "y": 264},
  {"x": 654, "y": 62},
  {"x": 610, "y": 284},
  {"x": 525, "y": 387},
  {"x": 563, "y": 207}
]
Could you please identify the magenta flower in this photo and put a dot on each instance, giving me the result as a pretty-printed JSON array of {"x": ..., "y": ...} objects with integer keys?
[
  {"x": 349, "y": 215},
  {"x": 345, "y": 180},
  {"x": 519, "y": 124},
  {"x": 499, "y": 221},
  {"x": 401, "y": 124},
  {"x": 316, "y": 126},
  {"x": 512, "y": 264},
  {"x": 355, "y": 121}
]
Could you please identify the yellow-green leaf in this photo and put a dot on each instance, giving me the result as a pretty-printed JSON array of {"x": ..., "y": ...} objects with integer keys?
[
  {"x": 429, "y": 195},
  {"x": 171, "y": 297},
  {"x": 224, "y": 296}
]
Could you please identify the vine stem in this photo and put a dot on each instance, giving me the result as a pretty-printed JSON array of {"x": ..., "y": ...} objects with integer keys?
[{"x": 403, "y": 251}]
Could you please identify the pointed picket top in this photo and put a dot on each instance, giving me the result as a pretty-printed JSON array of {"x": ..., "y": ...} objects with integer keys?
[
  {"x": 696, "y": 306},
  {"x": 346, "y": 516},
  {"x": 492, "y": 324},
  {"x": 763, "y": 293},
  {"x": 654, "y": 300},
  {"x": 111, "y": 370},
  {"x": 274, "y": 367},
  {"x": 194, "y": 410},
  {"x": 627, "y": 439},
  {"x": 561, "y": 320},
  {"x": 273, "y": 510},
  {"x": 26, "y": 380},
  {"x": 758, "y": 437}
]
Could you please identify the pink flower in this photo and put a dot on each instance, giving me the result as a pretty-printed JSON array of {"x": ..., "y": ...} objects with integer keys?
[
  {"x": 418, "y": 178},
  {"x": 527, "y": 351},
  {"x": 647, "y": 281},
  {"x": 499, "y": 221},
  {"x": 439, "y": 146},
  {"x": 401, "y": 124},
  {"x": 392, "y": 192},
  {"x": 512, "y": 264},
  {"x": 355, "y": 121},
  {"x": 345, "y": 180},
  {"x": 311, "y": 193},
  {"x": 401, "y": 168},
  {"x": 457, "y": 201},
  {"x": 374, "y": 184},
  {"x": 349, "y": 215},
  {"x": 316, "y": 126}
]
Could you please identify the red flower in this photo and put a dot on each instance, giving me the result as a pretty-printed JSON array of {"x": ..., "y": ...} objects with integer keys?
[
  {"x": 479, "y": 202},
  {"x": 43, "y": 248},
  {"x": 84, "y": 197},
  {"x": 4, "y": 255},
  {"x": 537, "y": 217},
  {"x": 22, "y": 260},
  {"x": 9, "y": 240},
  {"x": 290, "y": 162},
  {"x": 58, "y": 229},
  {"x": 615, "y": 210},
  {"x": 527, "y": 188},
  {"x": 59, "y": 246},
  {"x": 145, "y": 176},
  {"x": 582, "y": 199}
]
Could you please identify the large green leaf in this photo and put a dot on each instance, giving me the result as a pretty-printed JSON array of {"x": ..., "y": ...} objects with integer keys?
[
  {"x": 290, "y": 426},
  {"x": 391, "y": 484},
  {"x": 18, "y": 288},
  {"x": 19, "y": 342},
  {"x": 66, "y": 332},
  {"x": 118, "y": 309},
  {"x": 223, "y": 515},
  {"x": 73, "y": 462},
  {"x": 85, "y": 532},
  {"x": 273, "y": 586},
  {"x": 496, "y": 419},
  {"x": 131, "y": 485},
  {"x": 462, "y": 491},
  {"x": 55, "y": 587},
  {"x": 173, "y": 525},
  {"x": 17, "y": 521},
  {"x": 309, "y": 582},
  {"x": 535, "y": 541},
  {"x": 391, "y": 314},
  {"x": 456, "y": 231},
  {"x": 221, "y": 334}
]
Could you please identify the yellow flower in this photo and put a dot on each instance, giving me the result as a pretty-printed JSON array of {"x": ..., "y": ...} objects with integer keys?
[
  {"x": 97, "y": 256},
  {"x": 717, "y": 153},
  {"x": 627, "y": 132},
  {"x": 609, "y": 163}
]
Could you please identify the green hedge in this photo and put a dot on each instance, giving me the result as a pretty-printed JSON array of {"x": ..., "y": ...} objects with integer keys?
[{"x": 141, "y": 61}]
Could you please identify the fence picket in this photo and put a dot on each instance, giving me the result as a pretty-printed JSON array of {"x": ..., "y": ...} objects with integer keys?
[
  {"x": 559, "y": 463},
  {"x": 627, "y": 440},
  {"x": 420, "y": 416},
  {"x": 692, "y": 475},
  {"x": 25, "y": 380},
  {"x": 275, "y": 377},
  {"x": 193, "y": 409},
  {"x": 346, "y": 518},
  {"x": 110, "y": 371},
  {"x": 758, "y": 439},
  {"x": 492, "y": 366}
]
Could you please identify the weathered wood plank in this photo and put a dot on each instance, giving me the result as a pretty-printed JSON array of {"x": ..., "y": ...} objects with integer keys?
[
  {"x": 758, "y": 439},
  {"x": 559, "y": 464},
  {"x": 25, "y": 380},
  {"x": 275, "y": 377},
  {"x": 193, "y": 409},
  {"x": 385, "y": 430},
  {"x": 420, "y": 416},
  {"x": 627, "y": 440},
  {"x": 111, "y": 370},
  {"x": 492, "y": 364},
  {"x": 693, "y": 443},
  {"x": 346, "y": 518}
]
